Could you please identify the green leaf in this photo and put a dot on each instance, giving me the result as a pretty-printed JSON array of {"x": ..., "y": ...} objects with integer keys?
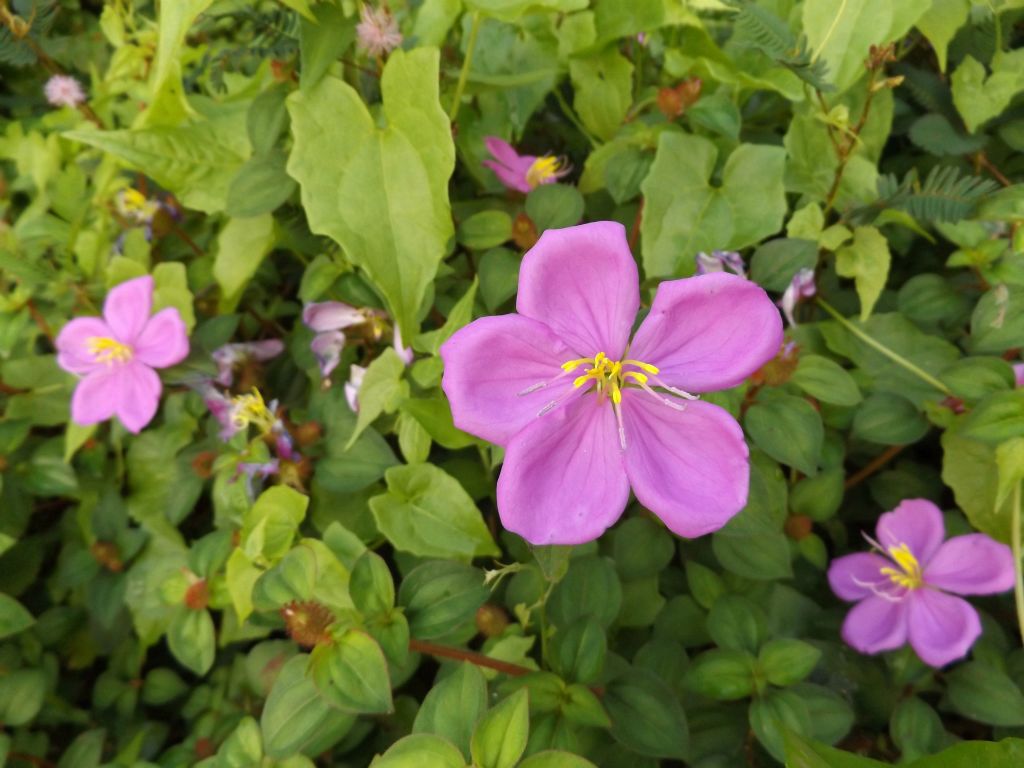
[
  {"x": 825, "y": 380},
  {"x": 372, "y": 587},
  {"x": 997, "y": 323},
  {"x": 485, "y": 229},
  {"x": 86, "y": 751},
  {"x": 774, "y": 263},
  {"x": 241, "y": 246},
  {"x": 789, "y": 430},
  {"x": 997, "y": 418},
  {"x": 759, "y": 556},
  {"x": 889, "y": 419},
  {"x": 775, "y": 713},
  {"x": 969, "y": 468},
  {"x": 428, "y": 513},
  {"x": 1007, "y": 753},
  {"x": 322, "y": 40},
  {"x": 867, "y": 261},
  {"x": 916, "y": 728},
  {"x": 269, "y": 528},
  {"x": 262, "y": 185},
  {"x": 553, "y": 206},
  {"x": 421, "y": 750},
  {"x": 603, "y": 87},
  {"x": 352, "y": 674},
  {"x": 646, "y": 716},
  {"x": 499, "y": 739},
  {"x": 804, "y": 753},
  {"x": 441, "y": 596},
  {"x": 979, "y": 97},
  {"x": 512, "y": 10},
  {"x": 192, "y": 639},
  {"x": 354, "y": 175},
  {"x": 684, "y": 214},
  {"x": 735, "y": 623},
  {"x": 461, "y": 315},
  {"x": 499, "y": 275},
  {"x": 579, "y": 650},
  {"x": 555, "y": 759},
  {"x": 294, "y": 710},
  {"x": 590, "y": 588},
  {"x": 940, "y": 24},
  {"x": 21, "y": 696},
  {"x": 454, "y": 705},
  {"x": 786, "y": 661},
  {"x": 722, "y": 674},
  {"x": 983, "y": 693},
  {"x": 382, "y": 391},
  {"x": 14, "y": 618}
]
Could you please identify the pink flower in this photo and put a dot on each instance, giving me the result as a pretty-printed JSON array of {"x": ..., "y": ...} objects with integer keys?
[
  {"x": 64, "y": 91},
  {"x": 1018, "y": 374},
  {"x": 800, "y": 287},
  {"x": 329, "y": 319},
  {"x": 353, "y": 385},
  {"x": 115, "y": 355},
  {"x": 719, "y": 261},
  {"x": 902, "y": 589},
  {"x": 229, "y": 356},
  {"x": 522, "y": 172},
  {"x": 584, "y": 413},
  {"x": 377, "y": 31}
]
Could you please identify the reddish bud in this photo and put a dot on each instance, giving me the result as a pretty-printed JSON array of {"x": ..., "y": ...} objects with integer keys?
[
  {"x": 798, "y": 527},
  {"x": 307, "y": 622},
  {"x": 307, "y": 433},
  {"x": 197, "y": 596},
  {"x": 524, "y": 231},
  {"x": 205, "y": 748},
  {"x": 202, "y": 464},
  {"x": 107, "y": 555}
]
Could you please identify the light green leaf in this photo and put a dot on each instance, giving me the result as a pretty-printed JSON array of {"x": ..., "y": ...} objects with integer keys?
[
  {"x": 979, "y": 97},
  {"x": 500, "y": 737},
  {"x": 428, "y": 513},
  {"x": 826, "y": 380},
  {"x": 13, "y": 617},
  {"x": 421, "y": 750},
  {"x": 512, "y": 10},
  {"x": 460, "y": 315},
  {"x": 241, "y": 246},
  {"x": 301, "y": 7},
  {"x": 170, "y": 289},
  {"x": 294, "y": 710},
  {"x": 684, "y": 214},
  {"x": 192, "y": 639},
  {"x": 866, "y": 260},
  {"x": 167, "y": 97},
  {"x": 382, "y": 390},
  {"x": 382, "y": 193},
  {"x": 453, "y": 706},
  {"x": 1010, "y": 464},
  {"x": 352, "y": 674},
  {"x": 269, "y": 528},
  {"x": 603, "y": 86}
]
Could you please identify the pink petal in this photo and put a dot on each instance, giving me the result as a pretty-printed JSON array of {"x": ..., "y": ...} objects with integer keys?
[
  {"x": 136, "y": 394},
  {"x": 916, "y": 523},
  {"x": 502, "y": 151},
  {"x": 488, "y": 363},
  {"x": 971, "y": 565},
  {"x": 563, "y": 481},
  {"x": 73, "y": 344},
  {"x": 163, "y": 341},
  {"x": 851, "y": 576},
  {"x": 582, "y": 283},
  {"x": 94, "y": 398},
  {"x": 327, "y": 347},
  {"x": 709, "y": 332},
  {"x": 876, "y": 624},
  {"x": 512, "y": 177},
  {"x": 942, "y": 627},
  {"x": 331, "y": 316},
  {"x": 127, "y": 308},
  {"x": 689, "y": 467}
]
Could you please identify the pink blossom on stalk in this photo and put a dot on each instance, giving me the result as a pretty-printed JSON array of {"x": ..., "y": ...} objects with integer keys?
[
  {"x": 353, "y": 385},
  {"x": 115, "y": 355},
  {"x": 902, "y": 589},
  {"x": 377, "y": 31},
  {"x": 584, "y": 414},
  {"x": 64, "y": 91},
  {"x": 329, "y": 319},
  {"x": 800, "y": 287},
  {"x": 522, "y": 172}
]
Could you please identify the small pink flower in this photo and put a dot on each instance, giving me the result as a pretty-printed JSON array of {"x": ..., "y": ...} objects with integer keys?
[
  {"x": 522, "y": 172},
  {"x": 64, "y": 91},
  {"x": 230, "y": 356},
  {"x": 585, "y": 413},
  {"x": 353, "y": 385},
  {"x": 800, "y": 287},
  {"x": 719, "y": 261},
  {"x": 1018, "y": 374},
  {"x": 115, "y": 355},
  {"x": 902, "y": 590},
  {"x": 377, "y": 31}
]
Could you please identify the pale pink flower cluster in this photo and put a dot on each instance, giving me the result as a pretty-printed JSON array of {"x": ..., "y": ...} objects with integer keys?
[
  {"x": 64, "y": 91},
  {"x": 377, "y": 31}
]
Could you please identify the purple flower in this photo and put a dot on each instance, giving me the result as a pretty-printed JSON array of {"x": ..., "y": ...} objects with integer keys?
[
  {"x": 115, "y": 355},
  {"x": 719, "y": 261},
  {"x": 1018, "y": 374},
  {"x": 228, "y": 356},
  {"x": 522, "y": 172},
  {"x": 352, "y": 386},
  {"x": 256, "y": 469},
  {"x": 584, "y": 414},
  {"x": 901, "y": 590},
  {"x": 64, "y": 91},
  {"x": 800, "y": 287},
  {"x": 377, "y": 31}
]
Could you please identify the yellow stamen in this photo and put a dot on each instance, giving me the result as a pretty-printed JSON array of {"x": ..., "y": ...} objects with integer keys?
[
  {"x": 651, "y": 369},
  {"x": 107, "y": 350},
  {"x": 250, "y": 409},
  {"x": 909, "y": 573},
  {"x": 545, "y": 169}
]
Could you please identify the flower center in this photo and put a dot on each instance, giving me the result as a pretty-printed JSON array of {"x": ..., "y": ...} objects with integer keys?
[
  {"x": 107, "y": 350},
  {"x": 250, "y": 409},
  {"x": 545, "y": 169},
  {"x": 908, "y": 574},
  {"x": 610, "y": 376}
]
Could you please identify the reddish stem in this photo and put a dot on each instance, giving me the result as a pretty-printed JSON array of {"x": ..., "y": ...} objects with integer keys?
[
  {"x": 461, "y": 654},
  {"x": 876, "y": 464}
]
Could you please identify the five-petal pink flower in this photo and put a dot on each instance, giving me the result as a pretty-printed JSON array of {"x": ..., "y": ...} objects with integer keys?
[
  {"x": 522, "y": 172},
  {"x": 584, "y": 414},
  {"x": 115, "y": 355},
  {"x": 902, "y": 589}
]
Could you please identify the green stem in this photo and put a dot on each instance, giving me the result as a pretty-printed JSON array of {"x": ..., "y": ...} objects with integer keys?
[
  {"x": 474, "y": 30},
  {"x": 574, "y": 119},
  {"x": 1018, "y": 582},
  {"x": 879, "y": 347}
]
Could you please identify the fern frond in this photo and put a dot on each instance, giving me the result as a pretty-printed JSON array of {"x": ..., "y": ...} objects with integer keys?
[
  {"x": 945, "y": 194},
  {"x": 41, "y": 14}
]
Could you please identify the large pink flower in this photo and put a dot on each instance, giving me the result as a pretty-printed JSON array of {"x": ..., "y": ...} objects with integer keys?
[
  {"x": 584, "y": 413},
  {"x": 115, "y": 355},
  {"x": 902, "y": 590}
]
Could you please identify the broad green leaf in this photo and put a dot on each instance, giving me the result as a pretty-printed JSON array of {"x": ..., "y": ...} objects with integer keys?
[
  {"x": 826, "y": 380},
  {"x": 454, "y": 705},
  {"x": 804, "y": 753},
  {"x": 721, "y": 674},
  {"x": 760, "y": 556},
  {"x": 786, "y": 661},
  {"x": 269, "y": 527},
  {"x": 775, "y": 713},
  {"x": 485, "y": 229},
  {"x": 889, "y": 419},
  {"x": 14, "y": 618},
  {"x": 381, "y": 193},
  {"x": 382, "y": 391},
  {"x": 301, "y": 7},
  {"x": 294, "y": 710},
  {"x": 168, "y": 104},
  {"x": 866, "y": 260},
  {"x": 441, "y": 596},
  {"x": 603, "y": 88},
  {"x": 428, "y": 513},
  {"x": 322, "y": 39},
  {"x": 241, "y": 575},
  {"x": 192, "y": 639},
  {"x": 421, "y": 750},
  {"x": 969, "y": 468},
  {"x": 22, "y": 692},
  {"x": 1010, "y": 465},
  {"x": 461, "y": 314},
  {"x": 684, "y": 213},
  {"x": 86, "y": 751},
  {"x": 789, "y": 430},
  {"x": 986, "y": 694},
  {"x": 352, "y": 674},
  {"x": 241, "y": 246},
  {"x": 1007, "y": 753},
  {"x": 551, "y": 758},
  {"x": 170, "y": 289},
  {"x": 511, "y": 10},
  {"x": 997, "y": 323},
  {"x": 646, "y": 715},
  {"x": 979, "y": 96}
]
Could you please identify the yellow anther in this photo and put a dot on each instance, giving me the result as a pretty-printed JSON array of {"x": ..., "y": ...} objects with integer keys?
[
  {"x": 250, "y": 409},
  {"x": 106, "y": 350},
  {"x": 572, "y": 365},
  {"x": 636, "y": 376},
  {"x": 909, "y": 573},
  {"x": 544, "y": 169}
]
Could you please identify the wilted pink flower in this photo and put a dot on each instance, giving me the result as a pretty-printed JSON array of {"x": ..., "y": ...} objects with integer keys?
[
  {"x": 902, "y": 588},
  {"x": 116, "y": 355},
  {"x": 584, "y": 413},
  {"x": 377, "y": 31},
  {"x": 229, "y": 356},
  {"x": 1018, "y": 374},
  {"x": 522, "y": 172},
  {"x": 64, "y": 91},
  {"x": 328, "y": 319},
  {"x": 353, "y": 385},
  {"x": 800, "y": 287},
  {"x": 719, "y": 261}
]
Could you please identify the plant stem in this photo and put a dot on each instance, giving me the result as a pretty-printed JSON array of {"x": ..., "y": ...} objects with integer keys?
[
  {"x": 873, "y": 466},
  {"x": 461, "y": 654},
  {"x": 1018, "y": 574},
  {"x": 567, "y": 110},
  {"x": 879, "y": 347},
  {"x": 474, "y": 30}
]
